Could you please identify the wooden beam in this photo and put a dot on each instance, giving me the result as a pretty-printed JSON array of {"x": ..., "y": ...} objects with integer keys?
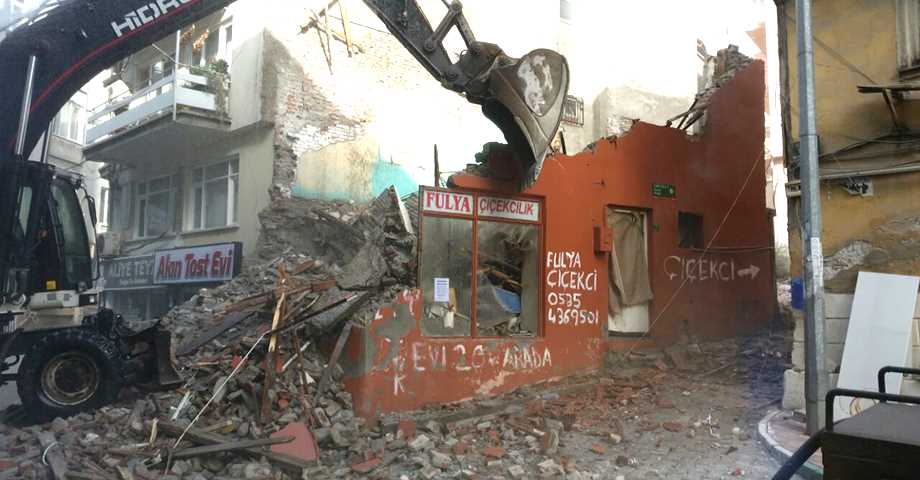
[
  {"x": 891, "y": 110},
  {"x": 315, "y": 21},
  {"x": 346, "y": 25},
  {"x": 231, "y": 320},
  {"x": 333, "y": 361},
  {"x": 229, "y": 447},
  {"x": 270, "y": 361},
  {"x": 288, "y": 463}
]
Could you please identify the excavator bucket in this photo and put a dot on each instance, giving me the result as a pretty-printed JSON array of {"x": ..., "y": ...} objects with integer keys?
[{"x": 527, "y": 95}]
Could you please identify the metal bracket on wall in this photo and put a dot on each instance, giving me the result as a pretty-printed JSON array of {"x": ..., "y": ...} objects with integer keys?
[{"x": 891, "y": 93}]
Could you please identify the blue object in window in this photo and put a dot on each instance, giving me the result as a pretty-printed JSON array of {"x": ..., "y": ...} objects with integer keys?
[
  {"x": 798, "y": 294},
  {"x": 510, "y": 301}
]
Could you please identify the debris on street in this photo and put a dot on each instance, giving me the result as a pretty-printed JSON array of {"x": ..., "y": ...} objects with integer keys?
[{"x": 263, "y": 398}]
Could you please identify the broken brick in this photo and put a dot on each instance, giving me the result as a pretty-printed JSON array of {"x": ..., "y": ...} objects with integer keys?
[
  {"x": 236, "y": 361},
  {"x": 460, "y": 448},
  {"x": 493, "y": 452},
  {"x": 598, "y": 449},
  {"x": 366, "y": 466},
  {"x": 406, "y": 429},
  {"x": 304, "y": 445},
  {"x": 673, "y": 426}
]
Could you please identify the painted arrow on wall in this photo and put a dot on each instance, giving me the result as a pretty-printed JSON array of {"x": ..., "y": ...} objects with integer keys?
[{"x": 751, "y": 271}]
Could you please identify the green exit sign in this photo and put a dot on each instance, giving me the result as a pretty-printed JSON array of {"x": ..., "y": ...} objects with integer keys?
[{"x": 664, "y": 190}]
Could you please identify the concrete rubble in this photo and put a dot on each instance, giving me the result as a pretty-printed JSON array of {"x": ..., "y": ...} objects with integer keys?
[
  {"x": 238, "y": 418},
  {"x": 623, "y": 423}
]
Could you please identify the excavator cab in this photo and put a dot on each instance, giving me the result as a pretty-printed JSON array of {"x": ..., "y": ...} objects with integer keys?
[{"x": 71, "y": 354}]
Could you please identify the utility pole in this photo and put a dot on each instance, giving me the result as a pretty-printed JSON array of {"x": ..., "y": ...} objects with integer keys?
[{"x": 815, "y": 367}]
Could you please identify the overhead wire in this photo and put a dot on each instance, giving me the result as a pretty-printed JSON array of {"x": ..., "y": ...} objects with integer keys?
[{"x": 757, "y": 160}]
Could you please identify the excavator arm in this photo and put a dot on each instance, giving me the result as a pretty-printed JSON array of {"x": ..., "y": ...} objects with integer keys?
[
  {"x": 72, "y": 41},
  {"x": 523, "y": 97},
  {"x": 48, "y": 57}
]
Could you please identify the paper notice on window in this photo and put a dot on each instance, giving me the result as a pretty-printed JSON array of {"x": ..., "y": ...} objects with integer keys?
[{"x": 441, "y": 289}]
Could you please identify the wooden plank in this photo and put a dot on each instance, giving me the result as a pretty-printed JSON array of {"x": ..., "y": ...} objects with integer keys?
[
  {"x": 229, "y": 447},
  {"x": 231, "y": 320},
  {"x": 287, "y": 463},
  {"x": 302, "y": 380},
  {"x": 333, "y": 361},
  {"x": 315, "y": 21},
  {"x": 346, "y": 25},
  {"x": 270, "y": 361}
]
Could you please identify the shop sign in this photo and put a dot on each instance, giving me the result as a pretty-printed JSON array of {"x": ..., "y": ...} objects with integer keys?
[
  {"x": 447, "y": 202},
  {"x": 664, "y": 190},
  {"x": 208, "y": 263},
  {"x": 508, "y": 209},
  {"x": 127, "y": 272}
]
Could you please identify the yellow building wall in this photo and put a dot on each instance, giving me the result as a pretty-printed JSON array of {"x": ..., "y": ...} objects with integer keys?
[{"x": 855, "y": 43}]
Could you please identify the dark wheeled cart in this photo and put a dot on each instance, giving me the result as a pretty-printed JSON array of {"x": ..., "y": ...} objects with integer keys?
[{"x": 881, "y": 442}]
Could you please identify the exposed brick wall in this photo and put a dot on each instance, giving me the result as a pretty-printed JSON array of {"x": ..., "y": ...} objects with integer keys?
[{"x": 381, "y": 99}]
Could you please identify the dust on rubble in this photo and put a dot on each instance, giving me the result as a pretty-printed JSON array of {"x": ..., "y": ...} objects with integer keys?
[{"x": 684, "y": 412}]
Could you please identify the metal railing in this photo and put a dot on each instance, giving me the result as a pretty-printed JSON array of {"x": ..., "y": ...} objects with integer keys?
[{"x": 182, "y": 88}]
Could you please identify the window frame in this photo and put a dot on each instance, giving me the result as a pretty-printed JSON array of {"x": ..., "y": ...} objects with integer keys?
[
  {"x": 72, "y": 129},
  {"x": 474, "y": 218},
  {"x": 702, "y": 229},
  {"x": 198, "y": 217},
  {"x": 907, "y": 18},
  {"x": 144, "y": 199}
]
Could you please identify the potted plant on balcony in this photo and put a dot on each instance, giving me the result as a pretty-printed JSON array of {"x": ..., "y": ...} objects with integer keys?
[{"x": 217, "y": 74}]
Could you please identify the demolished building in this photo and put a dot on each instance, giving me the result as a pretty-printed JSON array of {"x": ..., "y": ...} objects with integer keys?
[{"x": 643, "y": 239}]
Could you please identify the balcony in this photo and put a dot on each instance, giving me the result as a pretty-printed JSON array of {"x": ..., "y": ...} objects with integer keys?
[{"x": 179, "y": 112}]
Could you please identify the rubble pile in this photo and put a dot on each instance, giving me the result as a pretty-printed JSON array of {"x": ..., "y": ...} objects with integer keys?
[
  {"x": 614, "y": 425},
  {"x": 245, "y": 381}
]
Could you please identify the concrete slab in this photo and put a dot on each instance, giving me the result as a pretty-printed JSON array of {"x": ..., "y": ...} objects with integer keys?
[{"x": 304, "y": 445}]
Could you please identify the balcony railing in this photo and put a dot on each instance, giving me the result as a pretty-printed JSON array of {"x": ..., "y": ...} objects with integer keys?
[{"x": 172, "y": 93}]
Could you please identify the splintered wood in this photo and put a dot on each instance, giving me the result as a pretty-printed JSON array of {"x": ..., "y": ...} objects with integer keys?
[{"x": 270, "y": 367}]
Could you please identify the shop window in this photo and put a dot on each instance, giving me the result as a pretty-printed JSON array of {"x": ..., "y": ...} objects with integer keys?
[
  {"x": 215, "y": 195},
  {"x": 446, "y": 270},
  {"x": 507, "y": 288},
  {"x": 690, "y": 230},
  {"x": 499, "y": 240},
  {"x": 155, "y": 206}
]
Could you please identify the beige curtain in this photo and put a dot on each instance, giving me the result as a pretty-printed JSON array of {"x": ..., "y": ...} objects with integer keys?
[{"x": 628, "y": 266}]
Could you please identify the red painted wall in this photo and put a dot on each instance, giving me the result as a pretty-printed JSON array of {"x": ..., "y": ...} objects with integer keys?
[{"x": 720, "y": 174}]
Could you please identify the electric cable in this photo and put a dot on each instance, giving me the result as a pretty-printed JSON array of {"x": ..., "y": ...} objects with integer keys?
[{"x": 757, "y": 160}]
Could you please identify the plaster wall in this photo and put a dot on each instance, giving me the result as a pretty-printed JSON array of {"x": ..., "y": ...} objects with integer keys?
[{"x": 856, "y": 44}]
